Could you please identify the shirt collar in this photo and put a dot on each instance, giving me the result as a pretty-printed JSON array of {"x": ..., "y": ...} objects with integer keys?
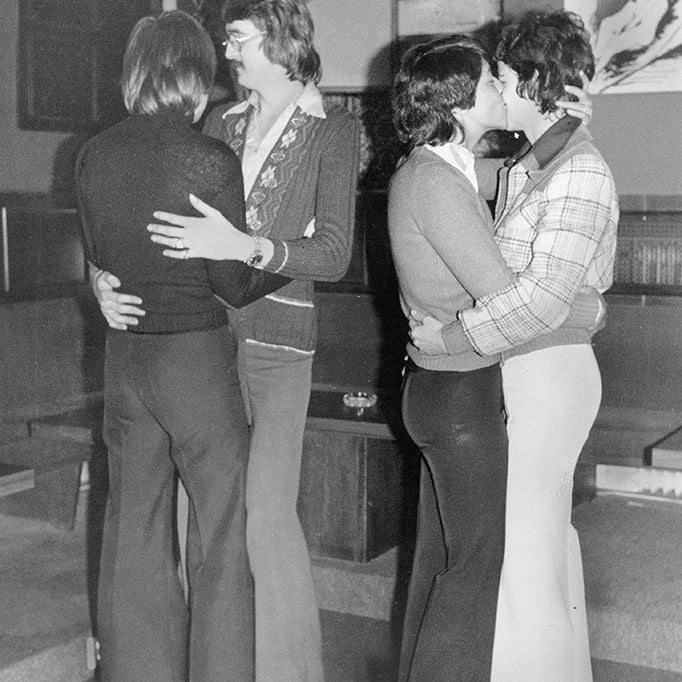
[
  {"x": 548, "y": 145},
  {"x": 310, "y": 102},
  {"x": 459, "y": 157}
]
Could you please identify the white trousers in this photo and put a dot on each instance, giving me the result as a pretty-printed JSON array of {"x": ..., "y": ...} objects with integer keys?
[{"x": 552, "y": 397}]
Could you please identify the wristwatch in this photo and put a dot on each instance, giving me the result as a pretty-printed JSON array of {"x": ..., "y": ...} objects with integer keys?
[{"x": 256, "y": 257}]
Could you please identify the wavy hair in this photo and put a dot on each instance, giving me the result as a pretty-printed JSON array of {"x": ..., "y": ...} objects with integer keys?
[
  {"x": 289, "y": 34},
  {"x": 547, "y": 50}
]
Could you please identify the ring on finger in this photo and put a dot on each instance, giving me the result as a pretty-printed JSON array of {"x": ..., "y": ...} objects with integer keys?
[
  {"x": 179, "y": 243},
  {"x": 186, "y": 256}
]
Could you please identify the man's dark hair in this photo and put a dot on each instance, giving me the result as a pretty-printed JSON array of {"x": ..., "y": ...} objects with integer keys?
[
  {"x": 433, "y": 78},
  {"x": 547, "y": 50}
]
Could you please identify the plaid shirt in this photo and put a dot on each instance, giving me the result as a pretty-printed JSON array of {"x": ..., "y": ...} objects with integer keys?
[{"x": 556, "y": 227}]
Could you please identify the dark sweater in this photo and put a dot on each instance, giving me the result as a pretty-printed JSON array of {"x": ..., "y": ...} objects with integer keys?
[{"x": 148, "y": 163}]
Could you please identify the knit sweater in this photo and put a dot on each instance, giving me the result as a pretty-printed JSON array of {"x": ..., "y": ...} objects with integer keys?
[
  {"x": 319, "y": 184},
  {"x": 443, "y": 248},
  {"x": 123, "y": 176}
]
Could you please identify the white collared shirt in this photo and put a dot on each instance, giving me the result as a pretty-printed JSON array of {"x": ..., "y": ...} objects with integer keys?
[
  {"x": 310, "y": 101},
  {"x": 458, "y": 156}
]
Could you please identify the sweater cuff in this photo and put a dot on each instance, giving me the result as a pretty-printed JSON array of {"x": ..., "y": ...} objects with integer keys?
[
  {"x": 454, "y": 338},
  {"x": 279, "y": 256},
  {"x": 586, "y": 310}
]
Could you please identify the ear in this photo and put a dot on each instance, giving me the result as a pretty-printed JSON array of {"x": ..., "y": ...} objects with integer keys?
[
  {"x": 532, "y": 84},
  {"x": 457, "y": 113},
  {"x": 460, "y": 115}
]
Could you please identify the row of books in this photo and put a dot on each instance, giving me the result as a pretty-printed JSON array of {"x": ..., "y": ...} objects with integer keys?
[
  {"x": 645, "y": 260},
  {"x": 649, "y": 249}
]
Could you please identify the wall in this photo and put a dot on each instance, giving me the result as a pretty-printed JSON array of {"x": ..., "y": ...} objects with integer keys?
[
  {"x": 353, "y": 38},
  {"x": 417, "y": 17},
  {"x": 639, "y": 136}
]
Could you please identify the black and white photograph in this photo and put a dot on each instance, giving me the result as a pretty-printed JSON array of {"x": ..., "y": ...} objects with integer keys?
[{"x": 340, "y": 341}]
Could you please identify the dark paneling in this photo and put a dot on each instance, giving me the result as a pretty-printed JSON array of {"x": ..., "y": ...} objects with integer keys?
[{"x": 70, "y": 62}]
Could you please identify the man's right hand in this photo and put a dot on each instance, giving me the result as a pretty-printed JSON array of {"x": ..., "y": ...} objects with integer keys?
[
  {"x": 119, "y": 310},
  {"x": 426, "y": 333}
]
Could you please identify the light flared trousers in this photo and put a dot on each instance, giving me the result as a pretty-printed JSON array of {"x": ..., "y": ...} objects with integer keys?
[
  {"x": 552, "y": 397},
  {"x": 288, "y": 636}
]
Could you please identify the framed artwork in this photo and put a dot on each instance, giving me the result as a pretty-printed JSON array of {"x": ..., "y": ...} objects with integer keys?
[
  {"x": 424, "y": 17},
  {"x": 637, "y": 44}
]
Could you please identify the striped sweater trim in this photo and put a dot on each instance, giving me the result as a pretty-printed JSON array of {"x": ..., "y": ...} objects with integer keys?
[
  {"x": 277, "y": 346},
  {"x": 285, "y": 259},
  {"x": 290, "y": 301}
]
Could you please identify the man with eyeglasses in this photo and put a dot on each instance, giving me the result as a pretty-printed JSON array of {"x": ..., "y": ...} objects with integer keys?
[
  {"x": 236, "y": 42},
  {"x": 300, "y": 160}
]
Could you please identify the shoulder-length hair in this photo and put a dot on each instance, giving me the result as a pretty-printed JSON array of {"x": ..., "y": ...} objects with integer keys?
[
  {"x": 433, "y": 79},
  {"x": 547, "y": 50},
  {"x": 169, "y": 65},
  {"x": 289, "y": 35}
]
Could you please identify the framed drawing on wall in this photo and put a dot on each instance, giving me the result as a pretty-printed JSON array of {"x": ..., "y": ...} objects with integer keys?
[
  {"x": 637, "y": 44},
  {"x": 424, "y": 17}
]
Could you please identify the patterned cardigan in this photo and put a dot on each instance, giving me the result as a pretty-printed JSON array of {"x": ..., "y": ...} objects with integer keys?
[{"x": 309, "y": 175}]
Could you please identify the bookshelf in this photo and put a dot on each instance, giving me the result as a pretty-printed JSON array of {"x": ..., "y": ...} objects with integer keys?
[{"x": 649, "y": 254}]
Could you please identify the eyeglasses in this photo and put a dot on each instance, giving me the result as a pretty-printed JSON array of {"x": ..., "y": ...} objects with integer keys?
[{"x": 236, "y": 42}]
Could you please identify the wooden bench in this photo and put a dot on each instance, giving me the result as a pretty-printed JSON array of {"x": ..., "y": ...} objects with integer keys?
[
  {"x": 54, "y": 479},
  {"x": 15, "y": 478}
]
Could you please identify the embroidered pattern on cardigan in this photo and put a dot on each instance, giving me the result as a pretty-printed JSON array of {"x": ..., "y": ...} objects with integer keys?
[{"x": 267, "y": 194}]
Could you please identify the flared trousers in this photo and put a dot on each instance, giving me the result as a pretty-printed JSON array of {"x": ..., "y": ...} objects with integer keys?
[
  {"x": 173, "y": 403},
  {"x": 456, "y": 420},
  {"x": 552, "y": 397}
]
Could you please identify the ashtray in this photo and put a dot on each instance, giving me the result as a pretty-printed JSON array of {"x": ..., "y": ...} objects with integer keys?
[{"x": 359, "y": 400}]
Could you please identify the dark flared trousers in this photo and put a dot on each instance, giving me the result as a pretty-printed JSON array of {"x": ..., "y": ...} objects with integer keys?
[
  {"x": 456, "y": 419},
  {"x": 173, "y": 403}
]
